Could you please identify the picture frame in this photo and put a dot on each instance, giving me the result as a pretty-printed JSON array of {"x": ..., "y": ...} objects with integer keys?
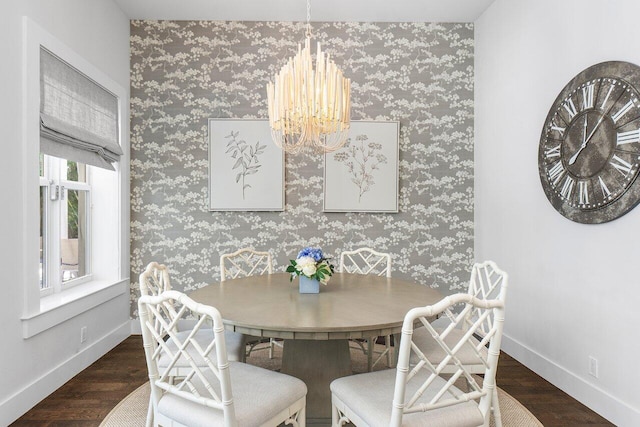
[
  {"x": 246, "y": 169},
  {"x": 362, "y": 176}
]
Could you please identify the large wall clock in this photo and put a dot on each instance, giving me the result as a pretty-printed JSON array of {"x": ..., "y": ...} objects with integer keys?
[{"x": 588, "y": 158}]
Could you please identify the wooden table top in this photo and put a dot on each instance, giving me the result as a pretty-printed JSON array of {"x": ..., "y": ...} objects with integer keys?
[{"x": 349, "y": 306}]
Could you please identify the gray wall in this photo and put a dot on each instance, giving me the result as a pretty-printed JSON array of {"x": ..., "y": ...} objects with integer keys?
[{"x": 184, "y": 72}]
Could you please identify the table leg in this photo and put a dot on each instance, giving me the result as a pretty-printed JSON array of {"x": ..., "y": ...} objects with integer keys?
[
  {"x": 317, "y": 363},
  {"x": 396, "y": 349}
]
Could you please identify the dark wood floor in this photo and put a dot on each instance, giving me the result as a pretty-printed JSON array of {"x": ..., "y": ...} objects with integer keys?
[
  {"x": 549, "y": 404},
  {"x": 88, "y": 397}
]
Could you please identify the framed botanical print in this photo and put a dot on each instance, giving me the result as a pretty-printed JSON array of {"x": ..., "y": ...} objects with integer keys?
[
  {"x": 362, "y": 176},
  {"x": 246, "y": 169}
]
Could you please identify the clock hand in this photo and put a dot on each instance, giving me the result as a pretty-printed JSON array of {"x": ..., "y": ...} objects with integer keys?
[
  {"x": 594, "y": 129},
  {"x": 573, "y": 158}
]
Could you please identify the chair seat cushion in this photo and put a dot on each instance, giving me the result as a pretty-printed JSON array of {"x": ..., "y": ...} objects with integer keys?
[
  {"x": 233, "y": 341},
  {"x": 258, "y": 395},
  {"x": 370, "y": 397},
  {"x": 428, "y": 345}
]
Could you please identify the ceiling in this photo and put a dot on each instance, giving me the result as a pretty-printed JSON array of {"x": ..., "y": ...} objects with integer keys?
[{"x": 295, "y": 10}]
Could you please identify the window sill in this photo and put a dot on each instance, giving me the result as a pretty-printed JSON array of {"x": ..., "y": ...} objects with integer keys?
[{"x": 62, "y": 306}]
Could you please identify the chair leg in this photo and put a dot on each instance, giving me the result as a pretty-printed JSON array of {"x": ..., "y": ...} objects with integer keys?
[
  {"x": 396, "y": 349},
  {"x": 149, "y": 422},
  {"x": 360, "y": 346},
  {"x": 370, "y": 354},
  {"x": 495, "y": 408},
  {"x": 386, "y": 353},
  {"x": 271, "y": 345},
  {"x": 336, "y": 419},
  {"x": 387, "y": 342},
  {"x": 302, "y": 417}
]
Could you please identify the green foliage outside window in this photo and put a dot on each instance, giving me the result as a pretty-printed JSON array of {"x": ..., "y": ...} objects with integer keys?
[{"x": 72, "y": 201}]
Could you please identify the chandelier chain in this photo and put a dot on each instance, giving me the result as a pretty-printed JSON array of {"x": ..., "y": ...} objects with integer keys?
[{"x": 308, "y": 18}]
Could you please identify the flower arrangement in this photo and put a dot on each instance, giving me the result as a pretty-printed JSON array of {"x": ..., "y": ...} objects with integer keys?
[{"x": 311, "y": 263}]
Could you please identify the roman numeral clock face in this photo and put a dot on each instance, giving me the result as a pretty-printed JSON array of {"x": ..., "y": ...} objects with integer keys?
[{"x": 589, "y": 154}]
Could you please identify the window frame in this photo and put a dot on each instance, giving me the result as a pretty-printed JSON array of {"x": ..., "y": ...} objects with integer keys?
[
  {"x": 54, "y": 221},
  {"x": 110, "y": 267}
]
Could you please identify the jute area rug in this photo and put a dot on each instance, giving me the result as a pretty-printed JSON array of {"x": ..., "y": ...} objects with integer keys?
[{"x": 132, "y": 410}]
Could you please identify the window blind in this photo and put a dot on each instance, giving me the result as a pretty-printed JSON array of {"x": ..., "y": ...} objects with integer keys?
[{"x": 78, "y": 118}]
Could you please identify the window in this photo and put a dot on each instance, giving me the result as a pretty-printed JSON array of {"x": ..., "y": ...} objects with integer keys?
[
  {"x": 65, "y": 224},
  {"x": 78, "y": 126},
  {"x": 76, "y": 183}
]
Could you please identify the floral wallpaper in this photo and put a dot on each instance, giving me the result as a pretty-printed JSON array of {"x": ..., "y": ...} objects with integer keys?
[{"x": 184, "y": 72}]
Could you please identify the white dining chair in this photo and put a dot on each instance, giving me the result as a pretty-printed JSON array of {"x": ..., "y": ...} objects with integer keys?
[
  {"x": 369, "y": 261},
  {"x": 422, "y": 394},
  {"x": 212, "y": 390},
  {"x": 487, "y": 282},
  {"x": 153, "y": 281},
  {"x": 247, "y": 262}
]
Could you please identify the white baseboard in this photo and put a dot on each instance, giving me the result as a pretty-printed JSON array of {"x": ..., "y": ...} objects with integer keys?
[
  {"x": 25, "y": 399},
  {"x": 136, "y": 329},
  {"x": 598, "y": 400}
]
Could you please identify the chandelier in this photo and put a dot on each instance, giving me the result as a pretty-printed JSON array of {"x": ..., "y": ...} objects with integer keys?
[{"x": 309, "y": 108}]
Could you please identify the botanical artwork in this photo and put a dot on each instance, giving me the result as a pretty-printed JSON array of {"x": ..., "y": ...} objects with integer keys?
[
  {"x": 362, "y": 159},
  {"x": 246, "y": 170},
  {"x": 362, "y": 176},
  {"x": 186, "y": 72},
  {"x": 246, "y": 158}
]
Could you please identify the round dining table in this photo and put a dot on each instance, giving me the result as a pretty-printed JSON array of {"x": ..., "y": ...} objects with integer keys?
[{"x": 316, "y": 327}]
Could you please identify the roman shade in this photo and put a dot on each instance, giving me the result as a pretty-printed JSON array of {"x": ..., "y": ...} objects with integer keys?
[{"x": 78, "y": 117}]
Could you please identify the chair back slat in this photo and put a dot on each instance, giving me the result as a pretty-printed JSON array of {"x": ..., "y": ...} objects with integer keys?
[
  {"x": 365, "y": 261},
  {"x": 245, "y": 262},
  {"x": 486, "y": 283},
  {"x": 154, "y": 279},
  {"x": 206, "y": 378}
]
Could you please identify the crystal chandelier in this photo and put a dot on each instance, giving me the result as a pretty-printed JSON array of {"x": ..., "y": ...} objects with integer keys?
[{"x": 309, "y": 108}]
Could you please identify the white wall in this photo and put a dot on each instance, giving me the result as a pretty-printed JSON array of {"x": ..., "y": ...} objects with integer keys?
[
  {"x": 32, "y": 368},
  {"x": 574, "y": 288}
]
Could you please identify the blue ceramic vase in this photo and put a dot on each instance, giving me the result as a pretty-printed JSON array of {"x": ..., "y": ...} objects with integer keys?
[{"x": 309, "y": 286}]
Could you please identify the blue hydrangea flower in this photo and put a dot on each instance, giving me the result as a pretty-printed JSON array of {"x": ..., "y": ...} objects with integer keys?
[{"x": 315, "y": 253}]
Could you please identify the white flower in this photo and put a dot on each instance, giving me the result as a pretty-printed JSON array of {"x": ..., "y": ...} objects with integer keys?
[
  {"x": 304, "y": 261},
  {"x": 306, "y": 265},
  {"x": 309, "y": 270}
]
